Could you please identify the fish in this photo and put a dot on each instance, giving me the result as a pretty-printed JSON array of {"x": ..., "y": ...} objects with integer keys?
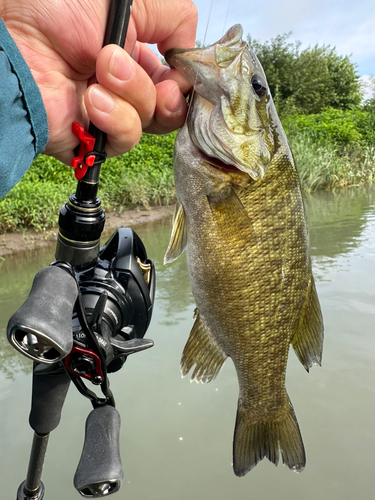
[{"x": 240, "y": 218}]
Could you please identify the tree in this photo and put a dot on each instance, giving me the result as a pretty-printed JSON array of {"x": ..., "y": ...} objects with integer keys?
[{"x": 307, "y": 81}]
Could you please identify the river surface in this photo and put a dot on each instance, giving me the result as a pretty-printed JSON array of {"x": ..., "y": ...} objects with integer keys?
[{"x": 176, "y": 436}]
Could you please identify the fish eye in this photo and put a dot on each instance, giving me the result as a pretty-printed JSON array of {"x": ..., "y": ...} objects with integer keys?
[{"x": 259, "y": 85}]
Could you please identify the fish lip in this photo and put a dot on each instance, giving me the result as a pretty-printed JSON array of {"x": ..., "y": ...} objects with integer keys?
[
  {"x": 230, "y": 38},
  {"x": 175, "y": 52}
]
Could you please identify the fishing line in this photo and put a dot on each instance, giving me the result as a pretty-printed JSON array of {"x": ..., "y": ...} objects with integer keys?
[
  {"x": 226, "y": 16},
  {"x": 208, "y": 22},
  {"x": 204, "y": 40}
]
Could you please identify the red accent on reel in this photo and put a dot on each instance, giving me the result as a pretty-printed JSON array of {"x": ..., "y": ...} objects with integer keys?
[
  {"x": 89, "y": 354},
  {"x": 81, "y": 162}
]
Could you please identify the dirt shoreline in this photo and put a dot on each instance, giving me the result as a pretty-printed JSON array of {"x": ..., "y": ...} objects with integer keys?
[{"x": 11, "y": 243}]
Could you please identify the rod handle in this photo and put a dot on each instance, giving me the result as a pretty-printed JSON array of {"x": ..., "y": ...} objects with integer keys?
[{"x": 50, "y": 387}]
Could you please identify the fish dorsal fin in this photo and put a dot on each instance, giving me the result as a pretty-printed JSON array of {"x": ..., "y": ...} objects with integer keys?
[
  {"x": 177, "y": 243},
  {"x": 308, "y": 340},
  {"x": 202, "y": 350}
]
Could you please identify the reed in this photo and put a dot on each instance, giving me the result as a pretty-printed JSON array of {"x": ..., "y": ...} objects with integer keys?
[{"x": 329, "y": 167}]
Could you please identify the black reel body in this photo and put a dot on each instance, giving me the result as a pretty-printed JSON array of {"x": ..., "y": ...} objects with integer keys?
[
  {"x": 124, "y": 272},
  {"x": 117, "y": 292}
]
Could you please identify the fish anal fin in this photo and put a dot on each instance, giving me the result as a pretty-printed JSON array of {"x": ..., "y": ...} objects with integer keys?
[
  {"x": 255, "y": 440},
  {"x": 308, "y": 340},
  {"x": 202, "y": 350},
  {"x": 177, "y": 243}
]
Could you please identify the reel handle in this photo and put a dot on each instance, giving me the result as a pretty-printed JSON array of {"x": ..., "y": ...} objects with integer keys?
[
  {"x": 41, "y": 328},
  {"x": 99, "y": 472}
]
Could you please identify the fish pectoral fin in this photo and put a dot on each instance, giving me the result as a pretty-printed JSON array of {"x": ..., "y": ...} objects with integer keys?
[
  {"x": 308, "y": 340},
  {"x": 177, "y": 243},
  {"x": 231, "y": 218},
  {"x": 202, "y": 350}
]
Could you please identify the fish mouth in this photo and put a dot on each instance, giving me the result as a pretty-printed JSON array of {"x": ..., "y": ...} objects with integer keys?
[
  {"x": 220, "y": 165},
  {"x": 237, "y": 176},
  {"x": 171, "y": 53},
  {"x": 178, "y": 58}
]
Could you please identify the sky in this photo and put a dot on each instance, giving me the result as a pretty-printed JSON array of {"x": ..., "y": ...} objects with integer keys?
[{"x": 345, "y": 24}]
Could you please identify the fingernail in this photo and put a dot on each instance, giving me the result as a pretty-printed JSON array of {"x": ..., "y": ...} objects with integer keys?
[
  {"x": 120, "y": 66},
  {"x": 173, "y": 103},
  {"x": 101, "y": 100}
]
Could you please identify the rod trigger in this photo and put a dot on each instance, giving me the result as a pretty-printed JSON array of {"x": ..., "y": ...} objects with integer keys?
[{"x": 84, "y": 158}]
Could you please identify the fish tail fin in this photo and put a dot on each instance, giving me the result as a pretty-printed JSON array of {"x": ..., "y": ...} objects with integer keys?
[{"x": 254, "y": 440}]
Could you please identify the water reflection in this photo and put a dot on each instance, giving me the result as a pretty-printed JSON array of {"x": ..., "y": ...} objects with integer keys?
[
  {"x": 337, "y": 219},
  {"x": 334, "y": 404},
  {"x": 173, "y": 294}
]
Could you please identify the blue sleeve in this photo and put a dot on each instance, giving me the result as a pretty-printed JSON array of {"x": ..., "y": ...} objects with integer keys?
[{"x": 23, "y": 119}]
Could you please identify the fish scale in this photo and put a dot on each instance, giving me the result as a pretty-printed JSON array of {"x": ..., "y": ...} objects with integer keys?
[{"x": 241, "y": 219}]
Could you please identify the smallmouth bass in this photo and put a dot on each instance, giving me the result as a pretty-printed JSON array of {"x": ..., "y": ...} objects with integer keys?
[{"x": 241, "y": 219}]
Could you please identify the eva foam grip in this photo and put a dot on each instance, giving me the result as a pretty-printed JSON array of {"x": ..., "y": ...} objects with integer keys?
[
  {"x": 48, "y": 396},
  {"x": 99, "y": 472},
  {"x": 41, "y": 328}
]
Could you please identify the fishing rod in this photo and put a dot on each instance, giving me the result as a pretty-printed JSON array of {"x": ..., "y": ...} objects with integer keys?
[{"x": 85, "y": 314}]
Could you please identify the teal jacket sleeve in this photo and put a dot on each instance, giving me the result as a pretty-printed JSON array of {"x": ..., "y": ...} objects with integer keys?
[{"x": 23, "y": 119}]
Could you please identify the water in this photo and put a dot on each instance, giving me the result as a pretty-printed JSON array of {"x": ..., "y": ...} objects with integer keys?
[{"x": 176, "y": 437}]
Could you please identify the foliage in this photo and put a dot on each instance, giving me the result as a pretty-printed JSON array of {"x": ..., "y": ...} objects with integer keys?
[
  {"x": 309, "y": 80},
  {"x": 349, "y": 129},
  {"x": 334, "y": 148},
  {"x": 35, "y": 201},
  {"x": 144, "y": 176},
  {"x": 327, "y": 167}
]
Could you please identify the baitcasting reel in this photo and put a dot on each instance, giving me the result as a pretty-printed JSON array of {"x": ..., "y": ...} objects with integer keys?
[
  {"x": 111, "y": 296},
  {"x": 80, "y": 324}
]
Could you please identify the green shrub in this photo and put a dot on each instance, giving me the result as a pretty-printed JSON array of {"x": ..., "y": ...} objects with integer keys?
[
  {"x": 144, "y": 176},
  {"x": 334, "y": 148},
  {"x": 326, "y": 167},
  {"x": 331, "y": 127}
]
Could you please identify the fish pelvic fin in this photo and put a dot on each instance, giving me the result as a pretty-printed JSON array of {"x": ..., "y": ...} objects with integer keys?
[
  {"x": 202, "y": 350},
  {"x": 177, "y": 243},
  {"x": 254, "y": 440},
  {"x": 308, "y": 340}
]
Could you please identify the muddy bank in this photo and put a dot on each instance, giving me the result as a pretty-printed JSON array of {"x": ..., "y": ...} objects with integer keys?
[{"x": 11, "y": 243}]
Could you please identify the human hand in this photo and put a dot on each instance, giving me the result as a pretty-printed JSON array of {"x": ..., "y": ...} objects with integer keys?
[{"x": 61, "y": 41}]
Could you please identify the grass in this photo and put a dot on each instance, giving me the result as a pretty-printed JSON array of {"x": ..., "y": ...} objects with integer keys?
[
  {"x": 327, "y": 167},
  {"x": 144, "y": 176},
  {"x": 332, "y": 149}
]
